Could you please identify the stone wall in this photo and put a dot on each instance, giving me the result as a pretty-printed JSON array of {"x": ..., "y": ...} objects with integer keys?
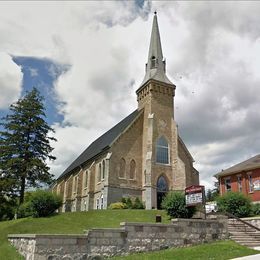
[
  {"x": 129, "y": 238},
  {"x": 253, "y": 221},
  {"x": 41, "y": 247}
]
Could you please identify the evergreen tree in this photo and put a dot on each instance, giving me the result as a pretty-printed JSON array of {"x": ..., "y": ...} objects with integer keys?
[
  {"x": 25, "y": 145},
  {"x": 209, "y": 196}
]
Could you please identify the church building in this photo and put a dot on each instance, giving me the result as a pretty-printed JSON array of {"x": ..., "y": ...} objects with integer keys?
[{"x": 142, "y": 156}]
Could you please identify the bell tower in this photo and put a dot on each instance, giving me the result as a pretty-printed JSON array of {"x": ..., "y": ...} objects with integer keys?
[{"x": 156, "y": 97}]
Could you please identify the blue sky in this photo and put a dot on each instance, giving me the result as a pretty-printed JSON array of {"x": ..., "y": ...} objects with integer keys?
[
  {"x": 42, "y": 74},
  {"x": 94, "y": 59}
]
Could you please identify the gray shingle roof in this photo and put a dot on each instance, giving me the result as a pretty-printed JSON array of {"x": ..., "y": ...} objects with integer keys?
[
  {"x": 102, "y": 143},
  {"x": 247, "y": 165}
]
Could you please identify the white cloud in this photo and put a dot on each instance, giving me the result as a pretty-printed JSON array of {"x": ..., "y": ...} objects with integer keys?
[
  {"x": 10, "y": 80},
  {"x": 33, "y": 72},
  {"x": 213, "y": 56}
]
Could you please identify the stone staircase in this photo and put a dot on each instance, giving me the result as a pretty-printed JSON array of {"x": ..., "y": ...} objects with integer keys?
[{"x": 243, "y": 234}]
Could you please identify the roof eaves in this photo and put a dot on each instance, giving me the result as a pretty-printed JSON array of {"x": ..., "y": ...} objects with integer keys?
[
  {"x": 185, "y": 148},
  {"x": 83, "y": 164},
  {"x": 226, "y": 172}
]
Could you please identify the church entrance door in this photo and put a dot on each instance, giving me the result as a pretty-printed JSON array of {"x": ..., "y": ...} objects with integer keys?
[{"x": 162, "y": 189}]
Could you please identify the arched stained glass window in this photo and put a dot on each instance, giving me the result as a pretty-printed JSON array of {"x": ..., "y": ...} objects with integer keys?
[
  {"x": 162, "y": 151},
  {"x": 132, "y": 169},
  {"x": 162, "y": 184},
  {"x": 122, "y": 168}
]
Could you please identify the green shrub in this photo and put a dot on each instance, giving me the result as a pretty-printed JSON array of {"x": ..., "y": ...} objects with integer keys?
[
  {"x": 175, "y": 205},
  {"x": 25, "y": 210},
  {"x": 235, "y": 203},
  {"x": 117, "y": 205},
  {"x": 123, "y": 200},
  {"x": 255, "y": 209},
  {"x": 129, "y": 203},
  {"x": 138, "y": 204},
  {"x": 44, "y": 203}
]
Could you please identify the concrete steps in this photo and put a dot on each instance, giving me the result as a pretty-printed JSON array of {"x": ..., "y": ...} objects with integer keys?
[{"x": 243, "y": 234}]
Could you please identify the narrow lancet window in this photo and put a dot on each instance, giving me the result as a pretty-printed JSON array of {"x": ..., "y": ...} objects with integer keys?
[
  {"x": 132, "y": 169},
  {"x": 122, "y": 168}
]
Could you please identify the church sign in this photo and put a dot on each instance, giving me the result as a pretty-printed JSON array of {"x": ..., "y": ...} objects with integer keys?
[{"x": 195, "y": 195}]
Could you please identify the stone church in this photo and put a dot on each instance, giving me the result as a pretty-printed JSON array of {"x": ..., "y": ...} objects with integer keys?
[{"x": 142, "y": 156}]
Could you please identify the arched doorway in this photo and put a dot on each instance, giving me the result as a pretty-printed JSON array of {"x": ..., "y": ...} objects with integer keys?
[{"x": 162, "y": 189}]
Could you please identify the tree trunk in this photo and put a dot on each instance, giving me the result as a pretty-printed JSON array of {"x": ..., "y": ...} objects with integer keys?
[{"x": 22, "y": 191}]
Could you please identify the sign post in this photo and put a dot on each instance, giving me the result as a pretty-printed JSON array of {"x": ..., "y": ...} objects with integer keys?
[{"x": 195, "y": 195}]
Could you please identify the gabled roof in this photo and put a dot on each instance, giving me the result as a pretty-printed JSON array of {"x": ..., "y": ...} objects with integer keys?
[
  {"x": 102, "y": 143},
  {"x": 247, "y": 165}
]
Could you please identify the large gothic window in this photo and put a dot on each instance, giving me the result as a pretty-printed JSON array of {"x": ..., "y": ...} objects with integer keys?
[
  {"x": 162, "y": 151},
  {"x": 132, "y": 169},
  {"x": 122, "y": 168}
]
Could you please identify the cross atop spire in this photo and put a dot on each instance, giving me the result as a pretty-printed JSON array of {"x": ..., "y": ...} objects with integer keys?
[{"x": 155, "y": 66}]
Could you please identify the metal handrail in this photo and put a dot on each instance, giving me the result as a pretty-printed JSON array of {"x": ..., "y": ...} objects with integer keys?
[{"x": 241, "y": 220}]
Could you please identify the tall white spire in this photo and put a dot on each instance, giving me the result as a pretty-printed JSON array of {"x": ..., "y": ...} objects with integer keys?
[{"x": 155, "y": 66}]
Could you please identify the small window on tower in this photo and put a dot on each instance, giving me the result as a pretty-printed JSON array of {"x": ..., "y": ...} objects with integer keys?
[{"x": 153, "y": 62}]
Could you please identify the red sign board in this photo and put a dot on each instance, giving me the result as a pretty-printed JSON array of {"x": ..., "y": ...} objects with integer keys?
[{"x": 195, "y": 195}]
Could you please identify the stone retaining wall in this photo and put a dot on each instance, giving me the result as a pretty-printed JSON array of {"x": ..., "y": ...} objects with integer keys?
[
  {"x": 253, "y": 221},
  {"x": 129, "y": 238}
]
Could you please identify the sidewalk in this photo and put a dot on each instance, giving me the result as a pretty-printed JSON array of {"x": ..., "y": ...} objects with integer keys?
[{"x": 250, "y": 257}]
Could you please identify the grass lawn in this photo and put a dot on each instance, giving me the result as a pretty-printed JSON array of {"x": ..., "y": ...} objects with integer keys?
[
  {"x": 70, "y": 223},
  {"x": 213, "y": 251},
  {"x": 75, "y": 223}
]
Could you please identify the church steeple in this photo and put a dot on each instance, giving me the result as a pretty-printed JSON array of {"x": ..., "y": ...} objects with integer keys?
[{"x": 155, "y": 66}]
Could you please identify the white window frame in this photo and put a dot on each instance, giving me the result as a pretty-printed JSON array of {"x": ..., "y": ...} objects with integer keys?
[
  {"x": 250, "y": 182},
  {"x": 239, "y": 183},
  {"x": 225, "y": 183}
]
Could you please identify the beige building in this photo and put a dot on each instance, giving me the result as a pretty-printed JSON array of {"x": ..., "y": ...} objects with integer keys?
[{"x": 142, "y": 156}]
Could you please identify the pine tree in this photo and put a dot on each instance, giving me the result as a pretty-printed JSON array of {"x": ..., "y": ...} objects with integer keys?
[
  {"x": 209, "y": 195},
  {"x": 25, "y": 145}
]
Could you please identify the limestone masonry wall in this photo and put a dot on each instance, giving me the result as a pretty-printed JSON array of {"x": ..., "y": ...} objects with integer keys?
[
  {"x": 129, "y": 238},
  {"x": 253, "y": 221}
]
